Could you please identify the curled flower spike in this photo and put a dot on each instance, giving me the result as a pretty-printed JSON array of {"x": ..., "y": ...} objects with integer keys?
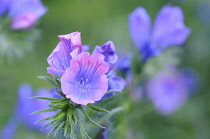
[
  {"x": 168, "y": 30},
  {"x": 59, "y": 59},
  {"x": 85, "y": 81}
]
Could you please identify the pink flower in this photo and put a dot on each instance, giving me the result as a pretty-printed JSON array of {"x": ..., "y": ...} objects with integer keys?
[
  {"x": 85, "y": 81},
  {"x": 59, "y": 59}
]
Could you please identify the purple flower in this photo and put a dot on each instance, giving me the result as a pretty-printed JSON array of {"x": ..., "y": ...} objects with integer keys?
[
  {"x": 108, "y": 50},
  {"x": 25, "y": 13},
  {"x": 85, "y": 81},
  {"x": 168, "y": 91},
  {"x": 4, "y": 5},
  {"x": 24, "y": 107},
  {"x": 69, "y": 46},
  {"x": 168, "y": 30},
  {"x": 115, "y": 83}
]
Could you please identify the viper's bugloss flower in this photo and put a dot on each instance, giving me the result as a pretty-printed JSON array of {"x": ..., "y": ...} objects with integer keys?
[
  {"x": 85, "y": 81},
  {"x": 168, "y": 30},
  {"x": 4, "y": 5},
  {"x": 23, "y": 109},
  {"x": 108, "y": 50},
  {"x": 168, "y": 91},
  {"x": 59, "y": 59},
  {"x": 25, "y": 13}
]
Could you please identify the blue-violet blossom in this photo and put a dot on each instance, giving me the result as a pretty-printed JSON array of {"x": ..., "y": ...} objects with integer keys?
[
  {"x": 168, "y": 91},
  {"x": 23, "y": 109},
  {"x": 168, "y": 30}
]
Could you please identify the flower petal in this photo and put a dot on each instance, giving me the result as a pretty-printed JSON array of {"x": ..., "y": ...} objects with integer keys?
[
  {"x": 85, "y": 81},
  {"x": 108, "y": 50},
  {"x": 139, "y": 25},
  {"x": 72, "y": 40},
  {"x": 169, "y": 28}
]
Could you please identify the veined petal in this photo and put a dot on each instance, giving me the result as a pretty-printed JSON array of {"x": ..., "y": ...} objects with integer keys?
[
  {"x": 169, "y": 28},
  {"x": 139, "y": 25},
  {"x": 72, "y": 40},
  {"x": 85, "y": 81},
  {"x": 59, "y": 60}
]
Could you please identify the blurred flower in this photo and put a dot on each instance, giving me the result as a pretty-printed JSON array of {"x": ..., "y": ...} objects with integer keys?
[
  {"x": 168, "y": 30},
  {"x": 24, "y": 107},
  {"x": 169, "y": 90},
  {"x": 85, "y": 81},
  {"x": 59, "y": 59},
  {"x": 108, "y": 50},
  {"x": 25, "y": 13},
  {"x": 4, "y": 4}
]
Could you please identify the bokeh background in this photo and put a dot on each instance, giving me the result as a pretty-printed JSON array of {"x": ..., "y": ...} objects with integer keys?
[{"x": 100, "y": 21}]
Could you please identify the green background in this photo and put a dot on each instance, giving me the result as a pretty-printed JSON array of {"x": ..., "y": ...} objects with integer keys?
[{"x": 100, "y": 21}]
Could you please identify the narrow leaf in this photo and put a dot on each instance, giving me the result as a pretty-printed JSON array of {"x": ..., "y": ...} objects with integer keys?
[
  {"x": 83, "y": 130},
  {"x": 50, "y": 80},
  {"x": 47, "y": 110},
  {"x": 110, "y": 91},
  {"x": 46, "y": 98},
  {"x": 97, "y": 108},
  {"x": 91, "y": 119}
]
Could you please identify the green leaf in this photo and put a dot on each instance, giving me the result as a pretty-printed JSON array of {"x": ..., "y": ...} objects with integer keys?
[
  {"x": 66, "y": 128},
  {"x": 110, "y": 91},
  {"x": 59, "y": 128},
  {"x": 97, "y": 108},
  {"x": 43, "y": 120},
  {"x": 46, "y": 98},
  {"x": 50, "y": 80},
  {"x": 47, "y": 110},
  {"x": 83, "y": 130},
  {"x": 61, "y": 105},
  {"x": 91, "y": 119}
]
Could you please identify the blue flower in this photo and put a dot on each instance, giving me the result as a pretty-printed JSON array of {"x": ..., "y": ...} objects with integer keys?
[
  {"x": 23, "y": 109},
  {"x": 4, "y": 5},
  {"x": 168, "y": 30},
  {"x": 25, "y": 13},
  {"x": 169, "y": 90}
]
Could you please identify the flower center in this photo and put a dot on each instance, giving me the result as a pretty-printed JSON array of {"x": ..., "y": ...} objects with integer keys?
[{"x": 83, "y": 84}]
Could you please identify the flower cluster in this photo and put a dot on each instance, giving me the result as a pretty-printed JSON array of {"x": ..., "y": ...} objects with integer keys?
[
  {"x": 168, "y": 30},
  {"x": 23, "y": 13},
  {"x": 83, "y": 76}
]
